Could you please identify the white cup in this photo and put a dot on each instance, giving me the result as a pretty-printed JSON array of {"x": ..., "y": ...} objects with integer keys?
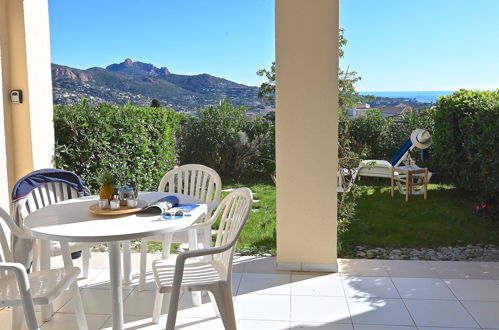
[
  {"x": 131, "y": 202},
  {"x": 115, "y": 204},
  {"x": 103, "y": 203}
]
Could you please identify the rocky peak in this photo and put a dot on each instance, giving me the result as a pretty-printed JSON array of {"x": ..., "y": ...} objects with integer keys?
[
  {"x": 64, "y": 72},
  {"x": 138, "y": 69}
]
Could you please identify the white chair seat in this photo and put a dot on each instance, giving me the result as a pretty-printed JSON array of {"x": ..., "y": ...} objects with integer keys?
[
  {"x": 178, "y": 237},
  {"x": 45, "y": 286},
  {"x": 55, "y": 247},
  {"x": 196, "y": 274}
]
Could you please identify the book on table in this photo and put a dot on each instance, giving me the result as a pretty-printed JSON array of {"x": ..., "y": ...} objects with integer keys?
[{"x": 169, "y": 208}]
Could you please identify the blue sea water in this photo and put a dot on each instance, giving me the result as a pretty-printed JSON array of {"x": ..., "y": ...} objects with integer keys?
[{"x": 420, "y": 96}]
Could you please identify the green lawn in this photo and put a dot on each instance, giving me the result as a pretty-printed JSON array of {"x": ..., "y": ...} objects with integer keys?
[
  {"x": 259, "y": 232},
  {"x": 444, "y": 219}
]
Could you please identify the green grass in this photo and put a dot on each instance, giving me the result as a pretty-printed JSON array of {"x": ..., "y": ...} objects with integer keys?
[
  {"x": 259, "y": 235},
  {"x": 444, "y": 219}
]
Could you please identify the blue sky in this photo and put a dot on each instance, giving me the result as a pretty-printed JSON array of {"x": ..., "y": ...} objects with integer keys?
[
  {"x": 393, "y": 44},
  {"x": 422, "y": 45},
  {"x": 226, "y": 38}
]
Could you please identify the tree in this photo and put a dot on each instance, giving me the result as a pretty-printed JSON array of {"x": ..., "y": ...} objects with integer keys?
[
  {"x": 267, "y": 89},
  {"x": 155, "y": 103},
  {"x": 348, "y": 96}
]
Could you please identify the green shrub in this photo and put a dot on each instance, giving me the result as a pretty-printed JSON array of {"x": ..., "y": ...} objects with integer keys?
[
  {"x": 466, "y": 141},
  {"x": 378, "y": 137},
  {"x": 136, "y": 145},
  {"x": 225, "y": 140}
]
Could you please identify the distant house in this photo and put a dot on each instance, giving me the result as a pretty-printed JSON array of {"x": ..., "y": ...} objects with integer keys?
[
  {"x": 359, "y": 110},
  {"x": 395, "y": 112}
]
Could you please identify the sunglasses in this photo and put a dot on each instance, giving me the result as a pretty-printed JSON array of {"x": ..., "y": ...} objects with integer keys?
[{"x": 172, "y": 215}]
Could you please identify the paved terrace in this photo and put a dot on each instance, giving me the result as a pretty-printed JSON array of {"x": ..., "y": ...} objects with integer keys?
[{"x": 364, "y": 295}]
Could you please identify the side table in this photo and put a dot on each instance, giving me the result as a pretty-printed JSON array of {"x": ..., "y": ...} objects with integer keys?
[{"x": 407, "y": 175}]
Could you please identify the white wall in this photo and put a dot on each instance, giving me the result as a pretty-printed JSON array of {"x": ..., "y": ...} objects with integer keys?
[{"x": 36, "y": 18}]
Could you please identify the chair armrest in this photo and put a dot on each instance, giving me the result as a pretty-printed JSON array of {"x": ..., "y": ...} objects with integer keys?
[
  {"x": 182, "y": 257},
  {"x": 13, "y": 227},
  {"x": 23, "y": 284},
  {"x": 20, "y": 271}
]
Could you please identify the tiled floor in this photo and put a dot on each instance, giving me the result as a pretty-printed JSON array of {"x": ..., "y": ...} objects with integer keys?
[{"x": 364, "y": 295}]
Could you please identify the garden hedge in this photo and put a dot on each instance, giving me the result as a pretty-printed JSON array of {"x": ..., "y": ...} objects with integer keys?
[
  {"x": 466, "y": 141},
  {"x": 136, "y": 144}
]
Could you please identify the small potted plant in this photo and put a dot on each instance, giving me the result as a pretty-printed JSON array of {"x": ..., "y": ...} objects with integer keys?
[{"x": 107, "y": 183}]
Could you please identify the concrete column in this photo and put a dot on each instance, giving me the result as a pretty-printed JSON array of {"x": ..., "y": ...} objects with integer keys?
[
  {"x": 27, "y": 133},
  {"x": 306, "y": 133}
]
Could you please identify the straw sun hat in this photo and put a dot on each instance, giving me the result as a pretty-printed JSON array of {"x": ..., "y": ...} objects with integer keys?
[{"x": 421, "y": 138}]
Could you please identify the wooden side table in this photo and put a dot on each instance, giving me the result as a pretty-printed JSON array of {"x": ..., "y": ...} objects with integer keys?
[{"x": 407, "y": 175}]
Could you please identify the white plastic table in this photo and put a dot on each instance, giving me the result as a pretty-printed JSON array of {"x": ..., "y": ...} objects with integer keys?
[{"x": 71, "y": 221}]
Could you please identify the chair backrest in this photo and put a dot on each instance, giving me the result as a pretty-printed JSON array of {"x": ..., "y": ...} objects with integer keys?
[
  {"x": 233, "y": 212},
  {"x": 194, "y": 180},
  {"x": 46, "y": 194}
]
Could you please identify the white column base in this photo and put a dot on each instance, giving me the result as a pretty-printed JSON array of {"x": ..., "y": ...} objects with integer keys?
[{"x": 303, "y": 267}]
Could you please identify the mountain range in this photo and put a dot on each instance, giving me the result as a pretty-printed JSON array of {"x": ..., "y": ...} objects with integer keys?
[{"x": 138, "y": 83}]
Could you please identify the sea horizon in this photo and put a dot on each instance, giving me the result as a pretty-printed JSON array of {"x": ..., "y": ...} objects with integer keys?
[{"x": 420, "y": 96}]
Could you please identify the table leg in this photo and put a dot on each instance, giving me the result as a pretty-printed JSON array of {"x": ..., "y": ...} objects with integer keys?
[
  {"x": 408, "y": 186},
  {"x": 127, "y": 263},
  {"x": 391, "y": 189},
  {"x": 116, "y": 288},
  {"x": 167, "y": 242},
  {"x": 193, "y": 245},
  {"x": 47, "y": 310},
  {"x": 425, "y": 184},
  {"x": 75, "y": 290}
]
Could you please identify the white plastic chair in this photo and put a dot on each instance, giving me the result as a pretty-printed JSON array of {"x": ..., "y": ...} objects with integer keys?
[
  {"x": 194, "y": 180},
  {"x": 22, "y": 291},
  {"x": 213, "y": 274},
  {"x": 48, "y": 194}
]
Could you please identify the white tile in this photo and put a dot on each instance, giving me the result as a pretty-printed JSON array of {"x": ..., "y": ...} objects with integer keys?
[
  {"x": 491, "y": 268},
  {"x": 445, "y": 328},
  {"x": 145, "y": 323},
  {"x": 187, "y": 309},
  {"x": 320, "y": 309},
  {"x": 459, "y": 269},
  {"x": 141, "y": 303},
  {"x": 383, "y": 327},
  {"x": 265, "y": 284},
  {"x": 361, "y": 267},
  {"x": 95, "y": 301},
  {"x": 439, "y": 313},
  {"x": 320, "y": 326},
  {"x": 365, "y": 287},
  {"x": 262, "y": 307},
  {"x": 483, "y": 290},
  {"x": 261, "y": 325},
  {"x": 68, "y": 322},
  {"x": 381, "y": 311},
  {"x": 262, "y": 265},
  {"x": 6, "y": 320},
  {"x": 423, "y": 288},
  {"x": 409, "y": 268},
  {"x": 322, "y": 285},
  {"x": 486, "y": 313},
  {"x": 236, "y": 281}
]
